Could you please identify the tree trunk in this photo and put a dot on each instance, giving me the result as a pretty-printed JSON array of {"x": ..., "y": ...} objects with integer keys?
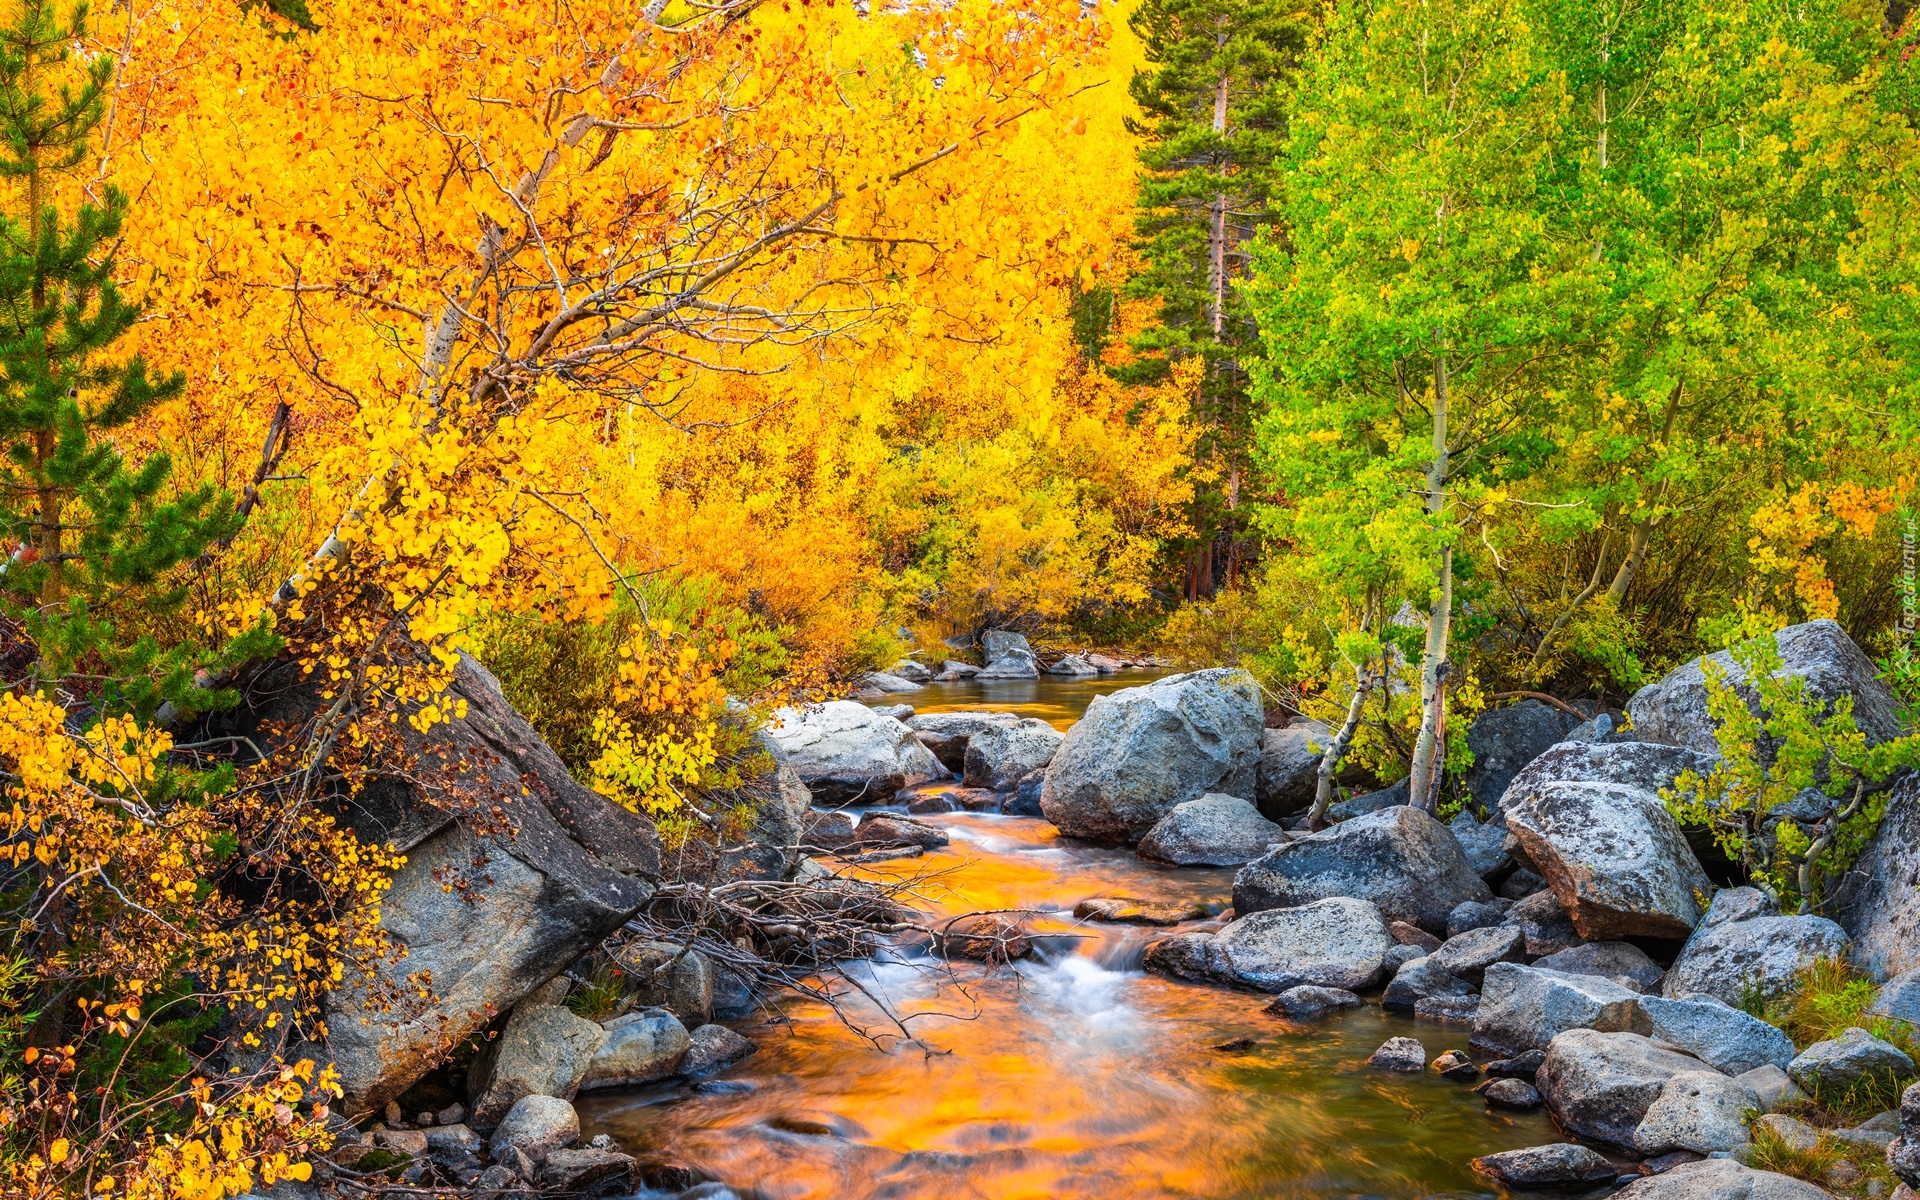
[
  {"x": 1330, "y": 761},
  {"x": 1217, "y": 231},
  {"x": 1427, "y": 750}
]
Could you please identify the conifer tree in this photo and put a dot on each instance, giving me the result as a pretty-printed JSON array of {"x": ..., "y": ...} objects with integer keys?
[
  {"x": 92, "y": 536},
  {"x": 1214, "y": 121}
]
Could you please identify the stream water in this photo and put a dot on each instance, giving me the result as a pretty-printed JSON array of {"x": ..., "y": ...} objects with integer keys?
[{"x": 1072, "y": 1075}]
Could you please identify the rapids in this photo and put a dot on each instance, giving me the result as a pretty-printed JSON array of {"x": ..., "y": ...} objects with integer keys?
[{"x": 1076, "y": 1075}]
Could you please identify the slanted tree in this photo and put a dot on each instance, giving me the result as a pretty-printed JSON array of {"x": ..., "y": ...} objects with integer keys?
[
  {"x": 93, "y": 533},
  {"x": 1213, "y": 116}
]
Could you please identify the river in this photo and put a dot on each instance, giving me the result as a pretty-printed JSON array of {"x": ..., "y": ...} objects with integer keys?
[{"x": 1074, "y": 1075}]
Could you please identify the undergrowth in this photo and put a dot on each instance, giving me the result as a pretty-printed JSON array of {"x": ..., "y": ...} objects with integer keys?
[
  {"x": 1831, "y": 996},
  {"x": 1840, "y": 1167}
]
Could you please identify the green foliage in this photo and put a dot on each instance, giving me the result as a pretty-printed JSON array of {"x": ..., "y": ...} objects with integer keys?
[
  {"x": 123, "y": 1070},
  {"x": 94, "y": 536},
  {"x": 1778, "y": 745},
  {"x": 1770, "y": 1152},
  {"x": 1828, "y": 998}
]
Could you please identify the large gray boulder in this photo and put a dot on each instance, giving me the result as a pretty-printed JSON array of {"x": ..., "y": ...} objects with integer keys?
[
  {"x": 543, "y": 1051},
  {"x": 1832, "y": 1067},
  {"x": 884, "y": 684},
  {"x": 1504, "y": 740},
  {"x": 1724, "y": 1038},
  {"x": 1641, "y": 765},
  {"x": 846, "y": 753},
  {"x": 1421, "y": 979},
  {"x": 564, "y": 867},
  {"x": 1903, "y": 1153},
  {"x": 999, "y": 756},
  {"x": 1599, "y": 1086},
  {"x": 1331, "y": 943},
  {"x": 1674, "y": 710},
  {"x": 1140, "y": 751},
  {"x": 1899, "y": 998},
  {"x": 1557, "y": 1167},
  {"x": 1622, "y": 962},
  {"x": 1525, "y": 1008},
  {"x": 1879, "y": 898},
  {"x": 1008, "y": 656},
  {"x": 1483, "y": 844},
  {"x": 1719, "y": 1179},
  {"x": 1548, "y": 928},
  {"x": 536, "y": 1126},
  {"x": 1613, "y": 855},
  {"x": 947, "y": 734},
  {"x": 1213, "y": 831},
  {"x": 1700, "y": 1111},
  {"x": 1290, "y": 767},
  {"x": 1744, "y": 948},
  {"x": 639, "y": 1048},
  {"x": 1469, "y": 954},
  {"x": 1399, "y": 858}
]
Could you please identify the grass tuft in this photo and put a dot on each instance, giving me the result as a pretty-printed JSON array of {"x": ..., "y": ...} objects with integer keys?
[{"x": 1840, "y": 1167}]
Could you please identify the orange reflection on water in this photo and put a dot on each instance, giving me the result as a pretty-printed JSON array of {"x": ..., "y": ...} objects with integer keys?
[{"x": 1077, "y": 1076}]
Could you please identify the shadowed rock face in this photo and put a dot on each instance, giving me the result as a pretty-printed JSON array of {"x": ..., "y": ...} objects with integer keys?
[
  {"x": 557, "y": 870},
  {"x": 1290, "y": 767},
  {"x": 1504, "y": 740},
  {"x": 1879, "y": 900}
]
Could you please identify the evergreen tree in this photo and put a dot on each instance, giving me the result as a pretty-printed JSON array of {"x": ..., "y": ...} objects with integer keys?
[
  {"x": 1214, "y": 120},
  {"x": 93, "y": 536}
]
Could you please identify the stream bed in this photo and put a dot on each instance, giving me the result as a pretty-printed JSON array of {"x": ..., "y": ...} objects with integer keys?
[{"x": 1072, "y": 1075}]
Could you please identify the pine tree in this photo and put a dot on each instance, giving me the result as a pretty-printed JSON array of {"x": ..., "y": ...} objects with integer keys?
[
  {"x": 1214, "y": 120},
  {"x": 93, "y": 536}
]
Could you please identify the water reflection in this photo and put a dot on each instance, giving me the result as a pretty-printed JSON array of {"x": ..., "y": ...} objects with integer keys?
[
  {"x": 1058, "y": 700},
  {"x": 1077, "y": 1076}
]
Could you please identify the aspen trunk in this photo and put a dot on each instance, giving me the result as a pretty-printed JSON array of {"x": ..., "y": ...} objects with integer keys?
[
  {"x": 1330, "y": 761},
  {"x": 1427, "y": 750}
]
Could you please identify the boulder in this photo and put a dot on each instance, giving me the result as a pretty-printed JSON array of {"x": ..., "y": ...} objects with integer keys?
[
  {"x": 639, "y": 1048},
  {"x": 1516, "y": 1095},
  {"x": 1417, "y": 980},
  {"x": 669, "y": 976},
  {"x": 1399, "y": 1054},
  {"x": 1796, "y": 1135},
  {"x": 1008, "y": 656},
  {"x": 1402, "y": 954},
  {"x": 1213, "y": 831},
  {"x": 1613, "y": 855},
  {"x": 1701, "y": 1111},
  {"x": 947, "y": 734},
  {"x": 1307, "y": 1002},
  {"x": 1879, "y": 897},
  {"x": 1126, "y": 910},
  {"x": 1476, "y": 914},
  {"x": 1470, "y": 954},
  {"x": 1521, "y": 884},
  {"x": 1504, "y": 740},
  {"x": 1194, "y": 957},
  {"x": 1289, "y": 771},
  {"x": 1674, "y": 710},
  {"x": 1025, "y": 801},
  {"x": 1833, "y": 1066},
  {"x": 1525, "y": 1008},
  {"x": 884, "y": 684},
  {"x": 712, "y": 1048},
  {"x": 987, "y": 938},
  {"x": 1899, "y": 998},
  {"x": 1599, "y": 1086},
  {"x": 1733, "y": 959},
  {"x": 1456, "y": 1065},
  {"x": 1877, "y": 1132},
  {"x": 846, "y": 753},
  {"x": 1336, "y": 943},
  {"x": 1104, "y": 664},
  {"x": 998, "y": 756},
  {"x": 1073, "y": 665},
  {"x": 1413, "y": 935},
  {"x": 1771, "y": 1087},
  {"x": 898, "y": 712},
  {"x": 1461, "y": 1010},
  {"x": 953, "y": 669},
  {"x": 1400, "y": 859},
  {"x": 1724, "y": 1038},
  {"x": 827, "y": 832},
  {"x": 1641, "y": 765},
  {"x": 535, "y": 1126},
  {"x": 1903, "y": 1153},
  {"x": 582, "y": 1171},
  {"x": 1548, "y": 928},
  {"x": 1368, "y": 802},
  {"x": 1484, "y": 845},
  {"x": 884, "y": 830},
  {"x": 564, "y": 867},
  {"x": 1524, "y": 1065},
  {"x": 1609, "y": 960},
  {"x": 1719, "y": 1179},
  {"x": 1139, "y": 752},
  {"x": 1560, "y": 1166},
  {"x": 543, "y": 1051}
]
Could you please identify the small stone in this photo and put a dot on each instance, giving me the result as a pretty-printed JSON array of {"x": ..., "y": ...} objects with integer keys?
[
  {"x": 1307, "y": 1002},
  {"x": 1520, "y": 1066},
  {"x": 1126, "y": 910},
  {"x": 423, "y": 1119},
  {"x": 1456, "y": 1065},
  {"x": 1233, "y": 1045},
  {"x": 496, "y": 1178},
  {"x": 1399, "y": 1054},
  {"x": 1557, "y": 1166},
  {"x": 1476, "y": 914},
  {"x": 1839, "y": 1063},
  {"x": 712, "y": 1047},
  {"x": 935, "y": 803},
  {"x": 1468, "y": 955},
  {"x": 534, "y": 1127},
  {"x": 1876, "y": 1133},
  {"x": 1771, "y": 1087},
  {"x": 410, "y": 1142},
  {"x": 1412, "y": 935},
  {"x": 393, "y": 1115},
  {"x": 452, "y": 1114},
  {"x": 1797, "y": 1135},
  {"x": 1521, "y": 884},
  {"x": 584, "y": 1169},
  {"x": 1843, "y": 1174},
  {"x": 1515, "y": 1094}
]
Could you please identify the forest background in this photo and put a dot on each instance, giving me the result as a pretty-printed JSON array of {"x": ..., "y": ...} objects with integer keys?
[{"x": 672, "y": 355}]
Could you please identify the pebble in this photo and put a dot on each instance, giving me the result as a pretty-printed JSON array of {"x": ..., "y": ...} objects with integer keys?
[
  {"x": 1455, "y": 1064},
  {"x": 1515, "y": 1094}
]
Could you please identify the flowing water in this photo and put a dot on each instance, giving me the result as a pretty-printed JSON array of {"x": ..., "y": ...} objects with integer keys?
[{"x": 1073, "y": 1075}]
